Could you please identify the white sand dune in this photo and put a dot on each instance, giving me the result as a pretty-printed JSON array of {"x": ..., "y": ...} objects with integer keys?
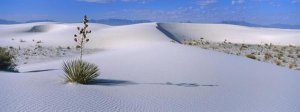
[
  {"x": 103, "y": 36},
  {"x": 45, "y": 28},
  {"x": 129, "y": 35},
  {"x": 51, "y": 34},
  {"x": 232, "y": 33},
  {"x": 142, "y": 71}
]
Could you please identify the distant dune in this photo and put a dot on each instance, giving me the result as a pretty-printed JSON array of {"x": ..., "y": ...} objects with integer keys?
[
  {"x": 232, "y": 33},
  {"x": 243, "y": 23},
  {"x": 116, "y": 22}
]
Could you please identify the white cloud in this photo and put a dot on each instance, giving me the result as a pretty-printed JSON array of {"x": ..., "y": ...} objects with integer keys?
[
  {"x": 109, "y": 1},
  {"x": 204, "y": 3}
]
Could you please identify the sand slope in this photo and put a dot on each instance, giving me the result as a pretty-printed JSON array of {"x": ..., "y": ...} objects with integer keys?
[
  {"x": 232, "y": 33},
  {"x": 128, "y": 36},
  {"x": 51, "y": 34},
  {"x": 141, "y": 70}
]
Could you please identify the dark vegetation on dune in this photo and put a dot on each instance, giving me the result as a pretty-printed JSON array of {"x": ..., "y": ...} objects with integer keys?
[{"x": 6, "y": 60}]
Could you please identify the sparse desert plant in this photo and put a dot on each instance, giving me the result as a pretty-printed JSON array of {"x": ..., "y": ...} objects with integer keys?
[
  {"x": 6, "y": 60},
  {"x": 292, "y": 64},
  {"x": 290, "y": 56},
  {"x": 173, "y": 41},
  {"x": 283, "y": 60},
  {"x": 297, "y": 49},
  {"x": 280, "y": 54},
  {"x": 276, "y": 50},
  {"x": 78, "y": 71},
  {"x": 82, "y": 37},
  {"x": 39, "y": 42},
  {"x": 192, "y": 42},
  {"x": 278, "y": 62},
  {"x": 22, "y": 41},
  {"x": 243, "y": 47},
  {"x": 207, "y": 42},
  {"x": 251, "y": 56},
  {"x": 290, "y": 51}
]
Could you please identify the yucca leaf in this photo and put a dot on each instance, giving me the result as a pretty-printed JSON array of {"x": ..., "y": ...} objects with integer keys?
[{"x": 79, "y": 71}]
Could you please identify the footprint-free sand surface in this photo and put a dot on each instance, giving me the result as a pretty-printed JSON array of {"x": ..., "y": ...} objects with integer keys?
[{"x": 142, "y": 70}]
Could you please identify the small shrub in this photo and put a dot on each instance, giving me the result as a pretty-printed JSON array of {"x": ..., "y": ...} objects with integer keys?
[
  {"x": 39, "y": 46},
  {"x": 276, "y": 50},
  {"x": 251, "y": 56},
  {"x": 79, "y": 71},
  {"x": 297, "y": 50},
  {"x": 6, "y": 60},
  {"x": 290, "y": 51},
  {"x": 291, "y": 56},
  {"x": 278, "y": 62},
  {"x": 39, "y": 42},
  {"x": 292, "y": 65},
  {"x": 280, "y": 54},
  {"x": 192, "y": 42},
  {"x": 283, "y": 60},
  {"x": 22, "y": 41},
  {"x": 268, "y": 56}
]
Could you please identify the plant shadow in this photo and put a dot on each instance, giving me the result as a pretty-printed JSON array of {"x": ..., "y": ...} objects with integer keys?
[
  {"x": 34, "y": 71},
  {"x": 112, "y": 82},
  {"x": 10, "y": 71},
  {"x": 183, "y": 84}
]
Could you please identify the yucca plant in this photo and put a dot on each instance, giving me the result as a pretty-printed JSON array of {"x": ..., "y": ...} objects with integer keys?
[
  {"x": 6, "y": 60},
  {"x": 79, "y": 71}
]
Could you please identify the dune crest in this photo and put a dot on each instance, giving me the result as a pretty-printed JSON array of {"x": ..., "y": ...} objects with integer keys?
[{"x": 45, "y": 28}]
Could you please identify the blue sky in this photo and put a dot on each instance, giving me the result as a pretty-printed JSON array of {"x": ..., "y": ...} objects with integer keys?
[{"x": 207, "y": 11}]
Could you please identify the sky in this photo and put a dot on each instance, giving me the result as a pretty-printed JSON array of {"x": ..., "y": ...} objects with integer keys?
[{"x": 203, "y": 11}]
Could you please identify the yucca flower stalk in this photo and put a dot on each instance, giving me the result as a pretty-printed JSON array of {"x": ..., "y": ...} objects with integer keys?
[{"x": 82, "y": 37}]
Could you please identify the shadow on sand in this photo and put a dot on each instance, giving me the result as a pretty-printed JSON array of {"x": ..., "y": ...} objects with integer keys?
[
  {"x": 34, "y": 71},
  {"x": 111, "y": 82}
]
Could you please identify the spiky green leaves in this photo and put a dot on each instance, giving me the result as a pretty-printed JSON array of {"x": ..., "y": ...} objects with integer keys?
[{"x": 79, "y": 71}]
